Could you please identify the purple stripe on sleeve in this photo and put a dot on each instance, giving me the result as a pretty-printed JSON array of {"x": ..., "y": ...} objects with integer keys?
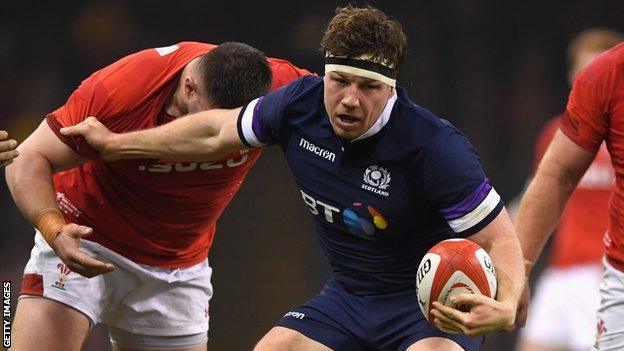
[
  {"x": 468, "y": 204},
  {"x": 255, "y": 123}
]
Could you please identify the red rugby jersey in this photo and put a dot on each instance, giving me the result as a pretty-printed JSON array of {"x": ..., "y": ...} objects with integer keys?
[
  {"x": 157, "y": 212},
  {"x": 578, "y": 238},
  {"x": 595, "y": 113}
]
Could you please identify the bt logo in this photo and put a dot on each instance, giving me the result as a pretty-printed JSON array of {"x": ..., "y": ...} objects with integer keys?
[
  {"x": 312, "y": 203},
  {"x": 356, "y": 225}
]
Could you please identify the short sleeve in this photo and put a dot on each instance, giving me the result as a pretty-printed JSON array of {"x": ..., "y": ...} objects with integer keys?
[
  {"x": 88, "y": 100},
  {"x": 586, "y": 119},
  {"x": 457, "y": 186}
]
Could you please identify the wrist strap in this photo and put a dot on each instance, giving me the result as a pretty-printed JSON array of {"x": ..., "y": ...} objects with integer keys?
[{"x": 49, "y": 222}]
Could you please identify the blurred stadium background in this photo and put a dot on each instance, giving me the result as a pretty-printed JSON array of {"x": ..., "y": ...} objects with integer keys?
[{"x": 496, "y": 69}]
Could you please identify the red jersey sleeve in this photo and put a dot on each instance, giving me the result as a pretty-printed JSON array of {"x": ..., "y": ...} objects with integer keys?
[
  {"x": 285, "y": 72},
  {"x": 544, "y": 139},
  {"x": 586, "y": 119},
  {"x": 124, "y": 86}
]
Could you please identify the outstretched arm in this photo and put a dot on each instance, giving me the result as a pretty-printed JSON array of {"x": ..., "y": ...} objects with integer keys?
[{"x": 199, "y": 137}]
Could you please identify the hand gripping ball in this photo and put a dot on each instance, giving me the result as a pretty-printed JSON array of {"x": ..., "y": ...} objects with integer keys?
[{"x": 452, "y": 267}]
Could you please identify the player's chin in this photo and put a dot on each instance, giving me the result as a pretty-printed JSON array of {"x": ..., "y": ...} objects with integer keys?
[{"x": 346, "y": 132}]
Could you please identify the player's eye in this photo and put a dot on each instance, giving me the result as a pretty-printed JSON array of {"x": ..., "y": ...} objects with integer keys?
[{"x": 370, "y": 86}]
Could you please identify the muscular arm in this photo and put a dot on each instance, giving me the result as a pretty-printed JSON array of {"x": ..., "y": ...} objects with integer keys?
[
  {"x": 199, "y": 137},
  {"x": 30, "y": 176},
  {"x": 487, "y": 315},
  {"x": 500, "y": 241},
  {"x": 543, "y": 203},
  {"x": 30, "y": 181}
]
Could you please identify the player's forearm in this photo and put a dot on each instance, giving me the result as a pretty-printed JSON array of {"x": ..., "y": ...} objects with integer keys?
[
  {"x": 507, "y": 258},
  {"x": 30, "y": 182},
  {"x": 540, "y": 210},
  {"x": 500, "y": 242},
  {"x": 196, "y": 137}
]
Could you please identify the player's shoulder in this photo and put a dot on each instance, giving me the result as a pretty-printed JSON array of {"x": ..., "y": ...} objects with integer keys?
[
  {"x": 299, "y": 90},
  {"x": 308, "y": 83},
  {"x": 195, "y": 45},
  {"x": 281, "y": 67},
  {"x": 607, "y": 65},
  {"x": 416, "y": 135},
  {"x": 151, "y": 62},
  {"x": 420, "y": 125},
  {"x": 184, "y": 48}
]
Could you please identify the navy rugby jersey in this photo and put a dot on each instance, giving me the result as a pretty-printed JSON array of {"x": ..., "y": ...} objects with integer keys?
[{"x": 382, "y": 200}]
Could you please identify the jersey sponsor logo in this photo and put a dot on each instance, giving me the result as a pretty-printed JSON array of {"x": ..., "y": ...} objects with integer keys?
[
  {"x": 168, "y": 167},
  {"x": 64, "y": 271},
  {"x": 317, "y": 150},
  {"x": 355, "y": 223},
  {"x": 360, "y": 226},
  {"x": 294, "y": 314},
  {"x": 67, "y": 206},
  {"x": 377, "y": 180},
  {"x": 165, "y": 50},
  {"x": 314, "y": 204}
]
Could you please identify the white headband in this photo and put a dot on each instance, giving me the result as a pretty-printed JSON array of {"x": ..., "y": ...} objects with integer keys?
[
  {"x": 365, "y": 65},
  {"x": 361, "y": 73}
]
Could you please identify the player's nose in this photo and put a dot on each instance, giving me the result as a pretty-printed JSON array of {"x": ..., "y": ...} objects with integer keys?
[{"x": 350, "y": 100}]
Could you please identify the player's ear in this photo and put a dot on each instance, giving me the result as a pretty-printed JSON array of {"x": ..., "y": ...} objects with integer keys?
[{"x": 191, "y": 88}]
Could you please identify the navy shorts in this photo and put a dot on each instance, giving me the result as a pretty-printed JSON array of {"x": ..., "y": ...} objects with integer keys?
[{"x": 343, "y": 321}]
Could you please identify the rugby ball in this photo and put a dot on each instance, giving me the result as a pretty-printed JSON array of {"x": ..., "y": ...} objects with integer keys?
[{"x": 453, "y": 267}]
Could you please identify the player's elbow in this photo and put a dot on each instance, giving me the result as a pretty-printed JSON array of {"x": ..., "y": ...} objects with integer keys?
[
  {"x": 28, "y": 163},
  {"x": 556, "y": 180},
  {"x": 196, "y": 149},
  {"x": 215, "y": 147}
]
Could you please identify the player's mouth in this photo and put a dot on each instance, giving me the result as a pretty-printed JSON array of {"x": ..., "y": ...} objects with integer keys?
[{"x": 347, "y": 121}]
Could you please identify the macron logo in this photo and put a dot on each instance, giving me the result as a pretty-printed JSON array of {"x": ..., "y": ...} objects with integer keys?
[
  {"x": 326, "y": 154},
  {"x": 294, "y": 314}
]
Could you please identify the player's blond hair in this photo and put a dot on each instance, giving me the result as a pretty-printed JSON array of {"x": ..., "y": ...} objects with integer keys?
[{"x": 594, "y": 39}]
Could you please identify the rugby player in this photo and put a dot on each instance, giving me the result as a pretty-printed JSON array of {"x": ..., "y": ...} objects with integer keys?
[
  {"x": 148, "y": 224},
  {"x": 385, "y": 180},
  {"x": 572, "y": 276},
  {"x": 594, "y": 114}
]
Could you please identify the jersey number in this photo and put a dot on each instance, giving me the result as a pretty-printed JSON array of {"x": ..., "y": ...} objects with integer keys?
[{"x": 191, "y": 166}]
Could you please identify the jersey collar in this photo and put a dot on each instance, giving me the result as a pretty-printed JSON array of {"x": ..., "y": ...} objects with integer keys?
[{"x": 381, "y": 121}]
